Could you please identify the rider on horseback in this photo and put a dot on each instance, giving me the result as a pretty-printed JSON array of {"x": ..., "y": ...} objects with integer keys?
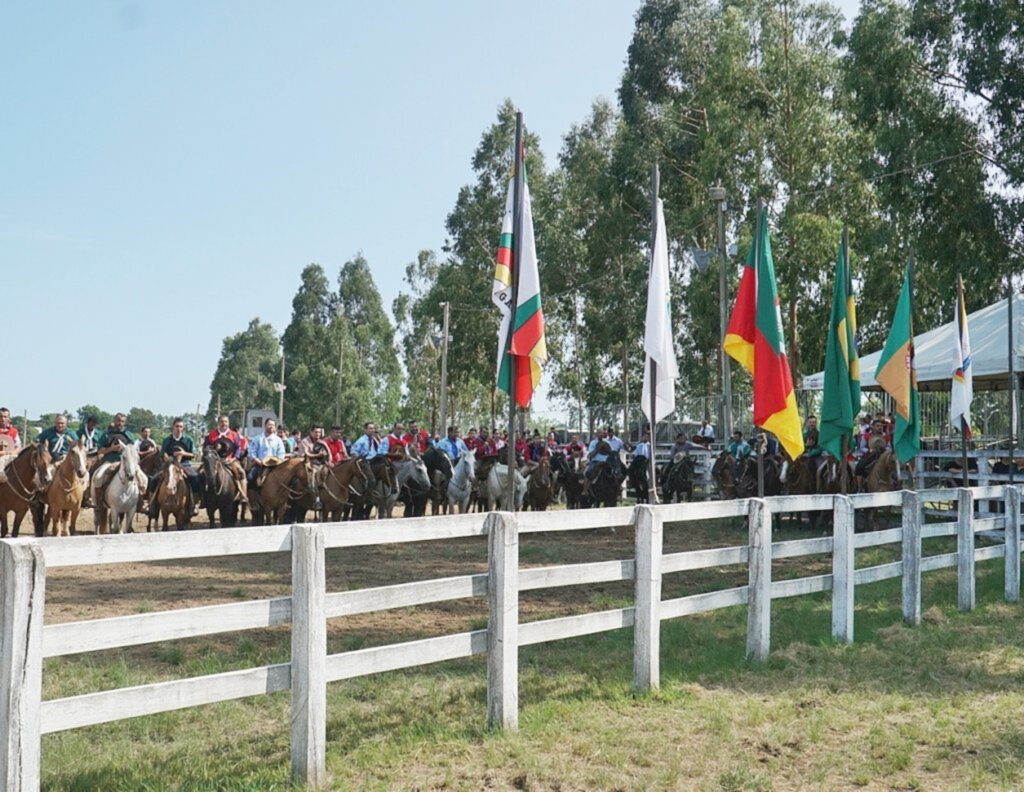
[
  {"x": 265, "y": 447},
  {"x": 739, "y": 449},
  {"x": 109, "y": 446},
  {"x": 8, "y": 431},
  {"x": 223, "y": 437},
  {"x": 181, "y": 447}
]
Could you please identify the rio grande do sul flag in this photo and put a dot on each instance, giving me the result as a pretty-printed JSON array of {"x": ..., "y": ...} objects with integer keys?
[
  {"x": 963, "y": 380},
  {"x": 754, "y": 339},
  {"x": 897, "y": 377},
  {"x": 527, "y": 324}
]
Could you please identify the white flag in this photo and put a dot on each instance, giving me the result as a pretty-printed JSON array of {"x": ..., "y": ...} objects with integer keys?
[
  {"x": 658, "y": 333},
  {"x": 963, "y": 384}
]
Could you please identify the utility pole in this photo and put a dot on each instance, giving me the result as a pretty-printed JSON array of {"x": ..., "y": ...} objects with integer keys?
[
  {"x": 444, "y": 370},
  {"x": 279, "y": 387},
  {"x": 337, "y": 401},
  {"x": 717, "y": 194}
]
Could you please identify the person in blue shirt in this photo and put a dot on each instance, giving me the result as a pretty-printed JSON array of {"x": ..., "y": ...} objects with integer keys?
[
  {"x": 453, "y": 445},
  {"x": 643, "y": 448},
  {"x": 269, "y": 444},
  {"x": 368, "y": 445}
]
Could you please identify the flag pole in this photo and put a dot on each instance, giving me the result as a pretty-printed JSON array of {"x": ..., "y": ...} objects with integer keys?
[
  {"x": 913, "y": 351},
  {"x": 844, "y": 468},
  {"x": 964, "y": 431},
  {"x": 1012, "y": 394},
  {"x": 757, "y": 263},
  {"x": 652, "y": 486},
  {"x": 517, "y": 230}
]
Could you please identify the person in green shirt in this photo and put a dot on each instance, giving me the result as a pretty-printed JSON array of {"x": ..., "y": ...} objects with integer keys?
[
  {"x": 109, "y": 449},
  {"x": 181, "y": 447},
  {"x": 58, "y": 438}
]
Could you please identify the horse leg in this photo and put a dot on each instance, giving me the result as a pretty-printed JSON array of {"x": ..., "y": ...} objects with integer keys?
[{"x": 73, "y": 522}]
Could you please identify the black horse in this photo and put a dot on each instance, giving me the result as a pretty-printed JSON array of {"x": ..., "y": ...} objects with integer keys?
[
  {"x": 677, "y": 479},
  {"x": 603, "y": 487},
  {"x": 219, "y": 489},
  {"x": 439, "y": 470},
  {"x": 639, "y": 478},
  {"x": 747, "y": 486}
]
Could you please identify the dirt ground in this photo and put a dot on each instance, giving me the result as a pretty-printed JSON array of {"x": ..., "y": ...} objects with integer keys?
[{"x": 91, "y": 592}]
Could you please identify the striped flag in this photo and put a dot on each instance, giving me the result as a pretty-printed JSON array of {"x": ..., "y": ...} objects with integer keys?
[
  {"x": 527, "y": 324},
  {"x": 754, "y": 339},
  {"x": 963, "y": 385}
]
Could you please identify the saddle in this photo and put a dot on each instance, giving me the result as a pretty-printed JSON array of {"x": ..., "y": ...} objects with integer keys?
[{"x": 269, "y": 464}]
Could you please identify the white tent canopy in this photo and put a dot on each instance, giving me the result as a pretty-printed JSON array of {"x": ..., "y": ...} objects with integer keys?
[{"x": 934, "y": 352}]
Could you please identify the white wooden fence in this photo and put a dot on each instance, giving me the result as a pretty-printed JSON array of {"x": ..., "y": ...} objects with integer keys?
[{"x": 25, "y": 640}]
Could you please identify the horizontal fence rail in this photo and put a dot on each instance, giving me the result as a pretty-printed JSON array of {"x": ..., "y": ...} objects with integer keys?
[{"x": 25, "y": 640}]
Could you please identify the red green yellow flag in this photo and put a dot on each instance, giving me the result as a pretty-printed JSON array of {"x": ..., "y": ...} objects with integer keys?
[
  {"x": 527, "y": 322},
  {"x": 754, "y": 339}
]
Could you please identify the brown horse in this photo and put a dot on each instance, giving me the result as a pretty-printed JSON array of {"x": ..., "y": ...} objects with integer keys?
[
  {"x": 64, "y": 496},
  {"x": 174, "y": 496},
  {"x": 337, "y": 483},
  {"x": 747, "y": 487},
  {"x": 830, "y": 477},
  {"x": 283, "y": 483},
  {"x": 540, "y": 491},
  {"x": 884, "y": 476},
  {"x": 30, "y": 471},
  {"x": 724, "y": 474}
]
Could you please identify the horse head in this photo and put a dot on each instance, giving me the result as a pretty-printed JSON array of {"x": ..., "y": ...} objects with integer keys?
[
  {"x": 78, "y": 460},
  {"x": 129, "y": 460},
  {"x": 42, "y": 464}
]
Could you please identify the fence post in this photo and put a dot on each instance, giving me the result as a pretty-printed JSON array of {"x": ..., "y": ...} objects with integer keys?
[
  {"x": 1011, "y": 535},
  {"x": 911, "y": 557},
  {"x": 759, "y": 590},
  {"x": 22, "y": 595},
  {"x": 843, "y": 576},
  {"x": 503, "y": 621},
  {"x": 309, "y": 656},
  {"x": 647, "y": 621},
  {"x": 965, "y": 550}
]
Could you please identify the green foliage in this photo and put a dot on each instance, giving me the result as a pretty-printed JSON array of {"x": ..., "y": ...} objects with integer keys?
[{"x": 249, "y": 366}]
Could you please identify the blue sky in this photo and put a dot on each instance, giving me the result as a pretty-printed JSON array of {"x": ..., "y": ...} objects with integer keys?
[{"x": 168, "y": 168}]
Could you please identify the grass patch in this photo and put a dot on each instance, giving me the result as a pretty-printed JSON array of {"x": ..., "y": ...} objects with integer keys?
[{"x": 933, "y": 707}]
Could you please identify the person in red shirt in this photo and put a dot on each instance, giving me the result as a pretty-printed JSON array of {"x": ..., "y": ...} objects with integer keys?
[
  {"x": 229, "y": 439},
  {"x": 417, "y": 436},
  {"x": 334, "y": 442},
  {"x": 485, "y": 444},
  {"x": 521, "y": 444},
  {"x": 12, "y": 440},
  {"x": 242, "y": 443},
  {"x": 225, "y": 433},
  {"x": 396, "y": 440}
]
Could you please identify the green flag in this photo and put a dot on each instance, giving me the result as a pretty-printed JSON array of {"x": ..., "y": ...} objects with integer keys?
[
  {"x": 841, "y": 400},
  {"x": 897, "y": 376}
]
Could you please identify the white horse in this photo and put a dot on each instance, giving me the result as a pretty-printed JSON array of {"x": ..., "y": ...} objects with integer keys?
[
  {"x": 460, "y": 486},
  {"x": 121, "y": 498},
  {"x": 411, "y": 474},
  {"x": 497, "y": 488}
]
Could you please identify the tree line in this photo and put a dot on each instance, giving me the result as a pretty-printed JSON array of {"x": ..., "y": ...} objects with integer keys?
[{"x": 905, "y": 126}]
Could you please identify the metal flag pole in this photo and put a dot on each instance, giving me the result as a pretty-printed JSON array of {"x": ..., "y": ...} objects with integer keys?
[
  {"x": 1013, "y": 377},
  {"x": 757, "y": 266},
  {"x": 517, "y": 232},
  {"x": 964, "y": 430},
  {"x": 844, "y": 468},
  {"x": 652, "y": 487}
]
